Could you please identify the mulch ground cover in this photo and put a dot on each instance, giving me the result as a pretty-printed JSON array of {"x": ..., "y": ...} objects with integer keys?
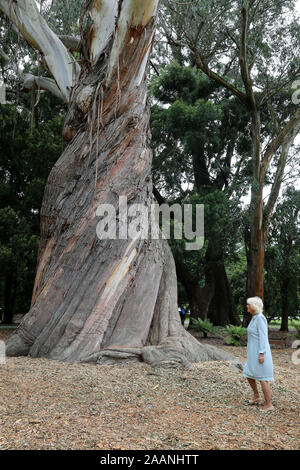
[{"x": 47, "y": 404}]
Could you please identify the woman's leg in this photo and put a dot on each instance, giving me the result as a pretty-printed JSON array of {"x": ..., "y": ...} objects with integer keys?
[
  {"x": 267, "y": 394},
  {"x": 253, "y": 385}
]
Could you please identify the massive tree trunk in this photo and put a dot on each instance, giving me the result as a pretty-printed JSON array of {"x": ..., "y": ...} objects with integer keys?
[
  {"x": 255, "y": 275},
  {"x": 260, "y": 215},
  {"x": 221, "y": 307},
  {"x": 222, "y": 310},
  {"x": 105, "y": 300},
  {"x": 213, "y": 301},
  {"x": 193, "y": 290}
]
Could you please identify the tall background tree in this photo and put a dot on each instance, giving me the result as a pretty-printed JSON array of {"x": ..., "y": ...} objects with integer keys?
[
  {"x": 282, "y": 259},
  {"x": 251, "y": 49},
  {"x": 195, "y": 131}
]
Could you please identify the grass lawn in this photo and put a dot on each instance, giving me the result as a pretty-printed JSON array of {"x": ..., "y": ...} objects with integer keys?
[{"x": 291, "y": 324}]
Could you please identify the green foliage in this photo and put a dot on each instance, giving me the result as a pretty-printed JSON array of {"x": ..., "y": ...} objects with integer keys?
[
  {"x": 236, "y": 268},
  {"x": 282, "y": 258},
  {"x": 30, "y": 143},
  {"x": 187, "y": 128},
  {"x": 179, "y": 83},
  {"x": 18, "y": 253},
  {"x": 192, "y": 125},
  {"x": 236, "y": 335},
  {"x": 273, "y": 47},
  {"x": 205, "y": 326},
  {"x": 26, "y": 158},
  {"x": 63, "y": 16},
  {"x": 297, "y": 328},
  {"x": 272, "y": 38}
]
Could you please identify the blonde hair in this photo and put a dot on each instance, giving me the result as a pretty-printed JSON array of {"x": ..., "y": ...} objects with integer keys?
[{"x": 256, "y": 303}]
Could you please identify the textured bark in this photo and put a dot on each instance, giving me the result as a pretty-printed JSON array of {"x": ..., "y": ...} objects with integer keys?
[
  {"x": 221, "y": 309},
  {"x": 255, "y": 256},
  {"x": 30, "y": 82},
  {"x": 106, "y": 300},
  {"x": 255, "y": 268},
  {"x": 192, "y": 288}
]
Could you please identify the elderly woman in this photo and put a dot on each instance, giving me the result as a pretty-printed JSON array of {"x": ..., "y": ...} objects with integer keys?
[{"x": 259, "y": 365}]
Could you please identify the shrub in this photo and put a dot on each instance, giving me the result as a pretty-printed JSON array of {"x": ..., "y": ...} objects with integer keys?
[
  {"x": 236, "y": 335},
  {"x": 297, "y": 328},
  {"x": 202, "y": 325}
]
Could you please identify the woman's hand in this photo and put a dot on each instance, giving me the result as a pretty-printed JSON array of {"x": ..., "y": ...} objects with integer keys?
[{"x": 261, "y": 358}]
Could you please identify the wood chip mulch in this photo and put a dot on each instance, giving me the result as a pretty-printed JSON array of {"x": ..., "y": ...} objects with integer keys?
[{"x": 47, "y": 404}]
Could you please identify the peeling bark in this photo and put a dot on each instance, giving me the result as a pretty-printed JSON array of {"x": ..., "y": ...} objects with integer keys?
[
  {"x": 73, "y": 43},
  {"x": 34, "y": 29},
  {"x": 30, "y": 82}
]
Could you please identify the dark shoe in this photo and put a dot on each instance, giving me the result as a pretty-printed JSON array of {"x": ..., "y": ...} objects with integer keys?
[{"x": 252, "y": 402}]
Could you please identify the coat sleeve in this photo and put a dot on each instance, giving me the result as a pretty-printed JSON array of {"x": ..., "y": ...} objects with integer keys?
[{"x": 262, "y": 326}]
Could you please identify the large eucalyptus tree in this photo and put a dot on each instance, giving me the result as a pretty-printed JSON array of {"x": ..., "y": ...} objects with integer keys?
[{"x": 94, "y": 299}]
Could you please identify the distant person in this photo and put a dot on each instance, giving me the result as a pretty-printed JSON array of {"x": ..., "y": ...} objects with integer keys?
[
  {"x": 259, "y": 364},
  {"x": 182, "y": 314}
]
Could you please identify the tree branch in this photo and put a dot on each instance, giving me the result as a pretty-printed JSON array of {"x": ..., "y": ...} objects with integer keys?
[
  {"x": 287, "y": 143},
  {"x": 41, "y": 83},
  {"x": 214, "y": 76},
  {"x": 271, "y": 92},
  {"x": 289, "y": 132},
  {"x": 273, "y": 116},
  {"x": 135, "y": 16},
  {"x": 101, "y": 29},
  {"x": 34, "y": 29},
  {"x": 160, "y": 199},
  {"x": 275, "y": 187},
  {"x": 72, "y": 43},
  {"x": 3, "y": 57},
  {"x": 154, "y": 68},
  {"x": 244, "y": 62}
]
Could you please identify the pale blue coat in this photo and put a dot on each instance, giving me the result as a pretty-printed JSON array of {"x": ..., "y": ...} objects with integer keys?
[{"x": 258, "y": 343}]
